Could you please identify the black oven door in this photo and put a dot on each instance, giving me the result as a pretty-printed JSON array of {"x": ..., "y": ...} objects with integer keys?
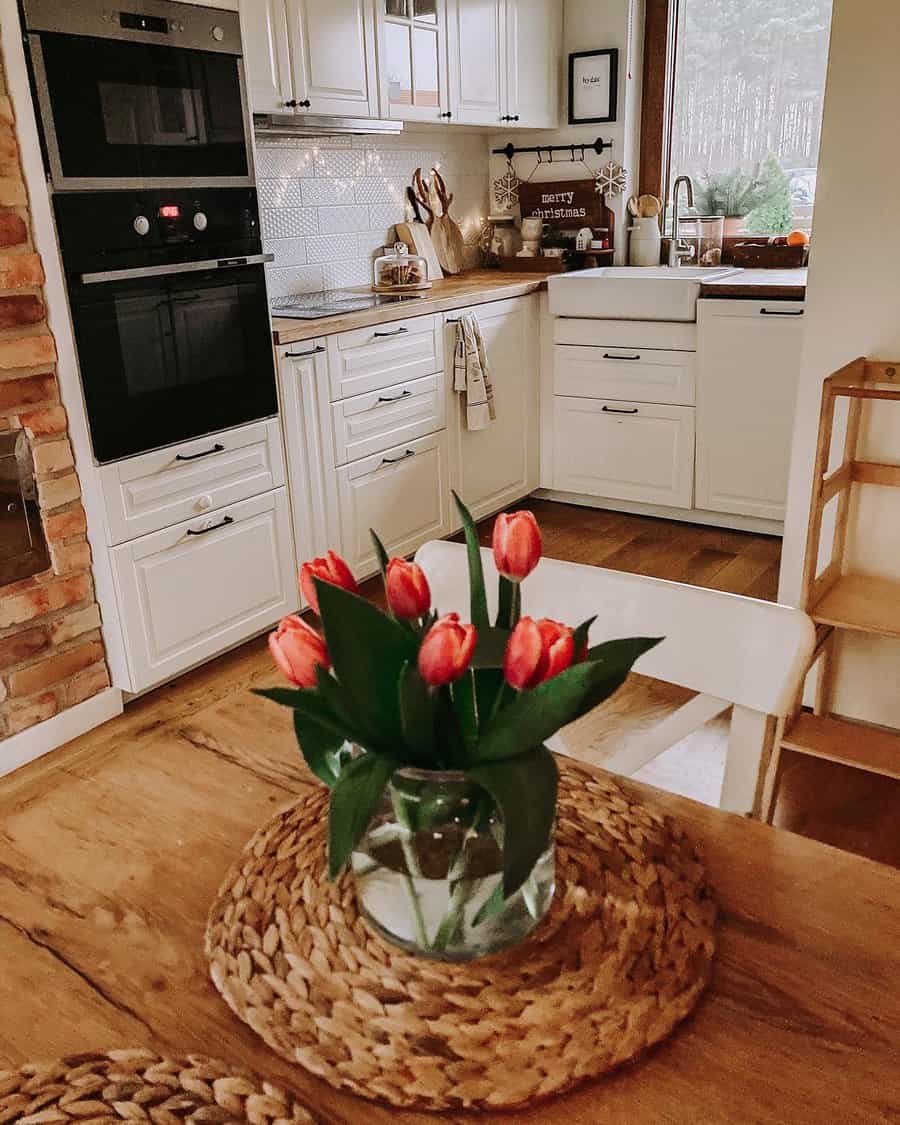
[
  {"x": 172, "y": 356},
  {"x": 123, "y": 114}
]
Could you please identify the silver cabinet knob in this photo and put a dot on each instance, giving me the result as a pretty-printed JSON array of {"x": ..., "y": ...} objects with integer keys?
[
  {"x": 141, "y": 225},
  {"x": 204, "y": 503},
  {"x": 200, "y": 221},
  {"x": 218, "y": 33}
]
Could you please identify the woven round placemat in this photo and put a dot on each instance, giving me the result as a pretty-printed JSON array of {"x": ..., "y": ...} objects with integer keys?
[
  {"x": 138, "y": 1085},
  {"x": 620, "y": 959}
]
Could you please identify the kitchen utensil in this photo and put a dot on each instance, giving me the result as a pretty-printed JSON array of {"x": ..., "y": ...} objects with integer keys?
[
  {"x": 648, "y": 206},
  {"x": 417, "y": 238},
  {"x": 633, "y": 206},
  {"x": 446, "y": 235},
  {"x": 414, "y": 203}
]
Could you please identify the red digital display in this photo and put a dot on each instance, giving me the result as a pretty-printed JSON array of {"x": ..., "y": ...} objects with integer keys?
[{"x": 170, "y": 211}]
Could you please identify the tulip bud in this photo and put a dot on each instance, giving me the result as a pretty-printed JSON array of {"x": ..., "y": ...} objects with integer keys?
[
  {"x": 537, "y": 651},
  {"x": 298, "y": 650},
  {"x": 517, "y": 544},
  {"x": 446, "y": 651},
  {"x": 331, "y": 569},
  {"x": 407, "y": 589}
]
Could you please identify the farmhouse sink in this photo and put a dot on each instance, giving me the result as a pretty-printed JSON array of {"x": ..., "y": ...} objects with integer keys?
[{"x": 632, "y": 292}]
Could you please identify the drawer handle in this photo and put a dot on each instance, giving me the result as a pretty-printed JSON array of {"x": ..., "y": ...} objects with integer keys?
[
  {"x": 781, "y": 312},
  {"x": 396, "y": 332},
  {"x": 394, "y": 398},
  {"x": 612, "y": 410},
  {"x": 300, "y": 355},
  {"x": 606, "y": 355},
  {"x": 397, "y": 460},
  {"x": 215, "y": 527},
  {"x": 206, "y": 453}
]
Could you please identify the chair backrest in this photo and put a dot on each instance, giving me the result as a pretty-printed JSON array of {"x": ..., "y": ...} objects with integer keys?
[{"x": 748, "y": 652}]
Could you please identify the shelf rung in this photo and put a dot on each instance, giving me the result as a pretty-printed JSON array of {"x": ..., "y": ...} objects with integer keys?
[
  {"x": 841, "y": 740},
  {"x": 837, "y": 482},
  {"x": 869, "y": 472},
  {"x": 862, "y": 603}
]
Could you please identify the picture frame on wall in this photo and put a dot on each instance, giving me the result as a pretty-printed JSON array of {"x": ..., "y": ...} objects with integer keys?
[{"x": 593, "y": 86}]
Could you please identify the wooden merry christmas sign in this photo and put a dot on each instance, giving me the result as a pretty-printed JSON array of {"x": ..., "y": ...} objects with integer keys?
[{"x": 565, "y": 204}]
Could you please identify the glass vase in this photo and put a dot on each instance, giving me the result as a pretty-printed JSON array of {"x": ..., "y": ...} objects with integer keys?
[{"x": 429, "y": 870}]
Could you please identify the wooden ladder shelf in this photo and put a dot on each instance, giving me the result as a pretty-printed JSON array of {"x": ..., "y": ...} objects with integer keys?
[{"x": 840, "y": 600}]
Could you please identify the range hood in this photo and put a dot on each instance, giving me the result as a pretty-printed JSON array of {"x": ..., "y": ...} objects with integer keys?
[{"x": 320, "y": 125}]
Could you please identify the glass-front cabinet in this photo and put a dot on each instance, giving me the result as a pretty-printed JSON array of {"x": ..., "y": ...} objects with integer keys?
[{"x": 411, "y": 42}]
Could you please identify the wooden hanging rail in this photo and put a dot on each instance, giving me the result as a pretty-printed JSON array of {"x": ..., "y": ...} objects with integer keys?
[
  {"x": 510, "y": 150},
  {"x": 838, "y": 600}
]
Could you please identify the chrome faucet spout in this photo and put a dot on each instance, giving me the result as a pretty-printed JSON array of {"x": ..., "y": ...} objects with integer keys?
[{"x": 677, "y": 249}]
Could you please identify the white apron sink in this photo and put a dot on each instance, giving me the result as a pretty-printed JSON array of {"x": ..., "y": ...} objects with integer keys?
[{"x": 632, "y": 292}]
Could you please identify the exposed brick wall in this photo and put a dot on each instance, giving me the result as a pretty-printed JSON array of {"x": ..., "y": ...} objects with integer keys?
[{"x": 51, "y": 651}]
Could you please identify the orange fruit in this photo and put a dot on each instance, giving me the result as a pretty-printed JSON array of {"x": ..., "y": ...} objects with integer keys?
[{"x": 798, "y": 238}]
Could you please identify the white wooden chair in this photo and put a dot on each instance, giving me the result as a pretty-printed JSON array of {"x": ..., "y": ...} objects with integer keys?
[{"x": 734, "y": 651}]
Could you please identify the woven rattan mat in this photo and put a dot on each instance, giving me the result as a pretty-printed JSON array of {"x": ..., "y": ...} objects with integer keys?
[
  {"x": 138, "y": 1085},
  {"x": 620, "y": 959}
]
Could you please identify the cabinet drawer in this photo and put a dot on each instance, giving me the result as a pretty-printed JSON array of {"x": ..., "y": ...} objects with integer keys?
[
  {"x": 159, "y": 489},
  {"x": 402, "y": 493},
  {"x": 624, "y": 450},
  {"x": 644, "y": 375},
  {"x": 368, "y": 359},
  {"x": 370, "y": 423},
  {"x": 192, "y": 591}
]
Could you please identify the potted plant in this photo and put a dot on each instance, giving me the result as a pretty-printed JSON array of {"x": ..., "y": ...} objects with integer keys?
[
  {"x": 733, "y": 194},
  {"x": 431, "y": 733}
]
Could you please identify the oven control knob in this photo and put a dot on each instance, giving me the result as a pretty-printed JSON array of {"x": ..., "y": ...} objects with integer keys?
[
  {"x": 218, "y": 33},
  {"x": 141, "y": 225},
  {"x": 200, "y": 221}
]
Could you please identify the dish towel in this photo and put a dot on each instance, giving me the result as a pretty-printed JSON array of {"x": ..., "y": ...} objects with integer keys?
[{"x": 472, "y": 375}]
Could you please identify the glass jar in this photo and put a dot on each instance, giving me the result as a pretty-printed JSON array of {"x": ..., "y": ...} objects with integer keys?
[
  {"x": 705, "y": 234},
  {"x": 399, "y": 269},
  {"x": 429, "y": 870}
]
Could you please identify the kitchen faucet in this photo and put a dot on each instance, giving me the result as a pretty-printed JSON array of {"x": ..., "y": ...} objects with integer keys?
[{"x": 677, "y": 248}]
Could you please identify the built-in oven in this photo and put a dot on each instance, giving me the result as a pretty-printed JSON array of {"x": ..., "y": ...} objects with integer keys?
[
  {"x": 168, "y": 300},
  {"x": 138, "y": 93}
]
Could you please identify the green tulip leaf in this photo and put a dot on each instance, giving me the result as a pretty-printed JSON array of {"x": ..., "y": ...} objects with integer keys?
[
  {"x": 380, "y": 553},
  {"x": 490, "y": 648},
  {"x": 524, "y": 790},
  {"x": 478, "y": 596},
  {"x": 354, "y": 800},
  {"x": 416, "y": 712},
  {"x": 580, "y": 634},
  {"x": 463, "y": 695},
  {"x": 321, "y": 748},
  {"x": 509, "y": 608}
]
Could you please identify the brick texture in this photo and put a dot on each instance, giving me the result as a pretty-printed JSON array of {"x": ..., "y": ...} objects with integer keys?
[{"x": 51, "y": 650}]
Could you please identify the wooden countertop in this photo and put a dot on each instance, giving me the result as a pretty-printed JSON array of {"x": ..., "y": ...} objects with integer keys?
[
  {"x": 475, "y": 287},
  {"x": 759, "y": 284},
  {"x": 113, "y": 848}
]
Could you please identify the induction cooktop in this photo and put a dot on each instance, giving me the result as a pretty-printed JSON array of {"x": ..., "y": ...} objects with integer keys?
[{"x": 312, "y": 306}]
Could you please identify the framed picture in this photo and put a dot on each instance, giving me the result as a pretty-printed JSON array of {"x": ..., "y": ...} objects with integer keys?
[{"x": 593, "y": 86}]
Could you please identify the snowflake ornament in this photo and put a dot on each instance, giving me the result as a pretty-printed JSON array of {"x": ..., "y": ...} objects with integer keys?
[
  {"x": 611, "y": 179},
  {"x": 506, "y": 189}
]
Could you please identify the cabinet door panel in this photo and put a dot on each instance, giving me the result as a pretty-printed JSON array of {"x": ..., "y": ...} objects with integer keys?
[
  {"x": 477, "y": 52},
  {"x": 370, "y": 423},
  {"x": 494, "y": 467},
  {"x": 333, "y": 52},
  {"x": 624, "y": 450},
  {"x": 401, "y": 493},
  {"x": 628, "y": 373},
  {"x": 748, "y": 362},
  {"x": 367, "y": 359},
  {"x": 412, "y": 60},
  {"x": 533, "y": 36},
  {"x": 264, "y": 33}
]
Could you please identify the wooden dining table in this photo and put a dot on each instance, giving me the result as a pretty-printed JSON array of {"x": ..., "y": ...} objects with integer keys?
[{"x": 112, "y": 849}]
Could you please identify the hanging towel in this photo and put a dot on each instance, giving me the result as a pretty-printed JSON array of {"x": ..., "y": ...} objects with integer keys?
[{"x": 471, "y": 374}]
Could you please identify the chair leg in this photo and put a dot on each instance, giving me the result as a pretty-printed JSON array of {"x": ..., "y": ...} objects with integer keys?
[
  {"x": 770, "y": 784},
  {"x": 750, "y": 744}
]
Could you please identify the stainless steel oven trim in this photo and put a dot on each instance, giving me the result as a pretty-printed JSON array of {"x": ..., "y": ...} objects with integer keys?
[
  {"x": 175, "y": 268},
  {"x": 60, "y": 182}
]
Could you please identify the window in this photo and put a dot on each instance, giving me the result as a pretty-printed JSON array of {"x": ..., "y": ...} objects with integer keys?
[{"x": 743, "y": 108}]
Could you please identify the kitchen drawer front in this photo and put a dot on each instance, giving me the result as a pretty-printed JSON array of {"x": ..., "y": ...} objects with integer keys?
[
  {"x": 624, "y": 450},
  {"x": 368, "y": 359},
  {"x": 403, "y": 493},
  {"x": 624, "y": 373},
  {"x": 162, "y": 488},
  {"x": 625, "y": 333},
  {"x": 188, "y": 593},
  {"x": 370, "y": 423}
]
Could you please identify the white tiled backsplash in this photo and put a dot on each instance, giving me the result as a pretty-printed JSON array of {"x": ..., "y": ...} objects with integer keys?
[{"x": 327, "y": 205}]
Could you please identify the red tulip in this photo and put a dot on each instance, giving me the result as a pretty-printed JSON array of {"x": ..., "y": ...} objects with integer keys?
[
  {"x": 446, "y": 651},
  {"x": 331, "y": 569},
  {"x": 537, "y": 651},
  {"x": 408, "y": 594},
  {"x": 517, "y": 544},
  {"x": 298, "y": 650}
]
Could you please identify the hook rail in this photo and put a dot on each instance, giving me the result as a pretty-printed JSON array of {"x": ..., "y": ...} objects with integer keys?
[{"x": 510, "y": 150}]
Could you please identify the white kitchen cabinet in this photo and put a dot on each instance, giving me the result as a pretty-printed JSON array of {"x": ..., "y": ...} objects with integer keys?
[
  {"x": 624, "y": 450},
  {"x": 191, "y": 591},
  {"x": 310, "y": 57},
  {"x": 494, "y": 467},
  {"x": 504, "y": 62},
  {"x": 371, "y": 423},
  {"x": 748, "y": 362},
  {"x": 383, "y": 355},
  {"x": 411, "y": 37},
  {"x": 645, "y": 374},
  {"x": 403, "y": 493}
]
